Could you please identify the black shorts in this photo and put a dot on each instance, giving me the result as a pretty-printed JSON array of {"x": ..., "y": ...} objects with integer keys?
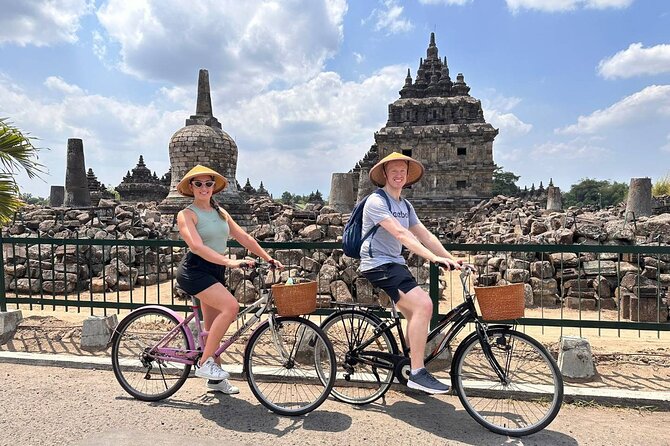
[
  {"x": 391, "y": 277},
  {"x": 196, "y": 274}
]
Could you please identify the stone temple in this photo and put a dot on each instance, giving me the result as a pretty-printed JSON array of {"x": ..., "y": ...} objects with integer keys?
[
  {"x": 202, "y": 141},
  {"x": 437, "y": 122}
]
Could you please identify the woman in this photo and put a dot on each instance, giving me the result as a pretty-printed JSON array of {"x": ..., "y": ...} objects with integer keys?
[{"x": 205, "y": 227}]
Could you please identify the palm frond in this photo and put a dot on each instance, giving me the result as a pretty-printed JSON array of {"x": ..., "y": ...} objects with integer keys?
[
  {"x": 9, "y": 198},
  {"x": 17, "y": 151}
]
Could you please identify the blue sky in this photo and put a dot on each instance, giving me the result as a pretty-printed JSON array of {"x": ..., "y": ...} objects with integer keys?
[{"x": 577, "y": 88}]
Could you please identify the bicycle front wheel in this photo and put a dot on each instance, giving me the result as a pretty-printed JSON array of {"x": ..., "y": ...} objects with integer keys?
[
  {"x": 285, "y": 365},
  {"x": 528, "y": 398},
  {"x": 362, "y": 377},
  {"x": 138, "y": 366}
]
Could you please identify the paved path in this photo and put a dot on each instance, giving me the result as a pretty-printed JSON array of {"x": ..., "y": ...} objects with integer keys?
[{"x": 69, "y": 406}]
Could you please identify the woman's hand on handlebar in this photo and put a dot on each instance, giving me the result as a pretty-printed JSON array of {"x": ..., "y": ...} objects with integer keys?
[
  {"x": 243, "y": 263},
  {"x": 276, "y": 264}
]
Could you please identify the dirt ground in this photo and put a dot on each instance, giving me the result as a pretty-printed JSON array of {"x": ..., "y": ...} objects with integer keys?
[{"x": 66, "y": 406}]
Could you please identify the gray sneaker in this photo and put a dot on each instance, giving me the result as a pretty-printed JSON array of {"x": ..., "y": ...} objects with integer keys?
[{"x": 426, "y": 382}]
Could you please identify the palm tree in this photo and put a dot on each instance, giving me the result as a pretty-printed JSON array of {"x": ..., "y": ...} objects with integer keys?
[{"x": 16, "y": 152}]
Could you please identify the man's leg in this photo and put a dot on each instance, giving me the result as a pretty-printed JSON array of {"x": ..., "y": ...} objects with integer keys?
[{"x": 417, "y": 308}]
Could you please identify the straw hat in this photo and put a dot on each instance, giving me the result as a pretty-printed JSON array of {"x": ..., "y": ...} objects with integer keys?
[
  {"x": 220, "y": 181},
  {"x": 414, "y": 169}
]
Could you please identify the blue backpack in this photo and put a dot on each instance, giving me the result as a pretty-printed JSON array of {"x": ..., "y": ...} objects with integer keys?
[{"x": 353, "y": 238}]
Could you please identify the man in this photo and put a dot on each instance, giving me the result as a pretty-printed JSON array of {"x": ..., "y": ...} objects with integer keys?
[{"x": 383, "y": 264}]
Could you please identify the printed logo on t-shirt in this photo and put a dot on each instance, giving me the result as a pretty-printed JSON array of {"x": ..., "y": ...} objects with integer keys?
[{"x": 400, "y": 214}]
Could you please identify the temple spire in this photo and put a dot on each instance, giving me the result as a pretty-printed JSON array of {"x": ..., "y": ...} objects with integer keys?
[
  {"x": 431, "y": 53},
  {"x": 204, "y": 103},
  {"x": 203, "y": 107}
]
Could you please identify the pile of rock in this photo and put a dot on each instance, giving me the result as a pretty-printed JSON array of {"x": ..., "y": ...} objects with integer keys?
[
  {"x": 588, "y": 281},
  {"x": 61, "y": 269}
]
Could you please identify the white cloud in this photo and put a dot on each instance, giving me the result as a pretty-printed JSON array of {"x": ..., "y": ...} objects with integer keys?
[
  {"x": 575, "y": 149},
  {"x": 114, "y": 132},
  {"x": 248, "y": 46},
  {"x": 56, "y": 83},
  {"x": 42, "y": 23},
  {"x": 652, "y": 104},
  {"x": 498, "y": 112},
  {"x": 565, "y": 5},
  {"x": 390, "y": 18},
  {"x": 323, "y": 126},
  {"x": 636, "y": 61},
  {"x": 666, "y": 147},
  {"x": 445, "y": 2},
  {"x": 358, "y": 57}
]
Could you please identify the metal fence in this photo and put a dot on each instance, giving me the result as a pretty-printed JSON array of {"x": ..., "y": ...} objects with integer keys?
[{"x": 581, "y": 286}]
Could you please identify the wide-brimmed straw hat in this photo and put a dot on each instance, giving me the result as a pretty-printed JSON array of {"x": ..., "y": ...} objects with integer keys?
[
  {"x": 220, "y": 182},
  {"x": 414, "y": 169}
]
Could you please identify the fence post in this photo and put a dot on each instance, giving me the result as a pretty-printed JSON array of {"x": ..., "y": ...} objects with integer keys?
[
  {"x": 3, "y": 298},
  {"x": 434, "y": 293}
]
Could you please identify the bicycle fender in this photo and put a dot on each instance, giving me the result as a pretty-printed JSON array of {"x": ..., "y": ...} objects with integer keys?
[
  {"x": 464, "y": 342},
  {"x": 179, "y": 318}
]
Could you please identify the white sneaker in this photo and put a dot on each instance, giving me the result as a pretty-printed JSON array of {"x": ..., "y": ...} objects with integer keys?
[
  {"x": 224, "y": 386},
  {"x": 211, "y": 370}
]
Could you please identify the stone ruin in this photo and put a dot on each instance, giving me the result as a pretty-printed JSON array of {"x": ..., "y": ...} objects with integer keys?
[
  {"x": 437, "y": 122},
  {"x": 203, "y": 141},
  {"x": 141, "y": 185}
]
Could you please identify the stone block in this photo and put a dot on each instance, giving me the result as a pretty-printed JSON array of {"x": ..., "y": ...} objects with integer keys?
[
  {"x": 648, "y": 310},
  {"x": 575, "y": 359},
  {"x": 96, "y": 332},
  {"x": 9, "y": 320},
  {"x": 545, "y": 299},
  {"x": 583, "y": 304}
]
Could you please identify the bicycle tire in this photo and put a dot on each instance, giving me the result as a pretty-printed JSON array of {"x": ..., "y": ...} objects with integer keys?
[
  {"x": 284, "y": 376},
  {"x": 530, "y": 399},
  {"x": 360, "y": 379},
  {"x": 133, "y": 362}
]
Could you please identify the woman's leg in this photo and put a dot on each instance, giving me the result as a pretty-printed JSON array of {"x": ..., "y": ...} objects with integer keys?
[
  {"x": 219, "y": 310},
  {"x": 417, "y": 308}
]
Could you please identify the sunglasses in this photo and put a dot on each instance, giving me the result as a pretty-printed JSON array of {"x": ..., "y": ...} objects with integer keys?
[{"x": 199, "y": 184}]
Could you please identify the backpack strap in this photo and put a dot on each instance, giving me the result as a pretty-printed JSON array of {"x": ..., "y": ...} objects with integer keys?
[{"x": 374, "y": 229}]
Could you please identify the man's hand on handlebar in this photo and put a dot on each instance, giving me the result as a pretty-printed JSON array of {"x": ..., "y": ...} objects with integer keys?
[{"x": 447, "y": 263}]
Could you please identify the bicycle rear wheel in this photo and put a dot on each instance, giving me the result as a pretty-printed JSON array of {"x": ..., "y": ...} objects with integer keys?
[
  {"x": 285, "y": 365},
  {"x": 139, "y": 370},
  {"x": 531, "y": 395},
  {"x": 361, "y": 377}
]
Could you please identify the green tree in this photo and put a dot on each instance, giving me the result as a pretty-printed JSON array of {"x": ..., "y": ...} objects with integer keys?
[
  {"x": 286, "y": 197},
  {"x": 504, "y": 183},
  {"x": 592, "y": 192},
  {"x": 661, "y": 187},
  {"x": 16, "y": 153},
  {"x": 29, "y": 199}
]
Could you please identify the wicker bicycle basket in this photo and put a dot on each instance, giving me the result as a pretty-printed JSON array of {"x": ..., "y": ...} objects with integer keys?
[
  {"x": 294, "y": 300},
  {"x": 498, "y": 303}
]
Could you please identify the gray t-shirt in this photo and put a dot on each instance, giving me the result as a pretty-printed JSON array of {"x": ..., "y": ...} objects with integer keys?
[{"x": 384, "y": 247}]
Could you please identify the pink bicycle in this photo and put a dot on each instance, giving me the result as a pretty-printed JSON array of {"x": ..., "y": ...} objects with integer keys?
[{"x": 289, "y": 362}]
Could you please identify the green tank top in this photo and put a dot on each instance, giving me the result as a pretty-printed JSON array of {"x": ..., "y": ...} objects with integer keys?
[{"x": 213, "y": 230}]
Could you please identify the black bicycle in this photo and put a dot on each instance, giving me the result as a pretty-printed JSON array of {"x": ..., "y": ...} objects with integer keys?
[{"x": 506, "y": 380}]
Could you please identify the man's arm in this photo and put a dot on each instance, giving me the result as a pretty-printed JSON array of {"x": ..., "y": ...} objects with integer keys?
[
  {"x": 429, "y": 240},
  {"x": 413, "y": 243}
]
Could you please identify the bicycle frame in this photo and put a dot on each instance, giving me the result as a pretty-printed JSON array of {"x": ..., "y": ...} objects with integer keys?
[
  {"x": 458, "y": 318},
  {"x": 196, "y": 343}
]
